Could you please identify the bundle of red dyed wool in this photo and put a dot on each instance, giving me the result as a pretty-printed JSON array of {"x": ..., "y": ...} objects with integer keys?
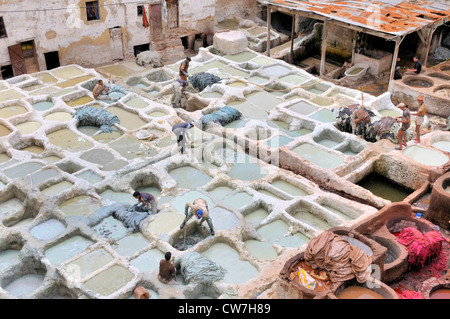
[
  {"x": 407, "y": 294},
  {"x": 421, "y": 247}
]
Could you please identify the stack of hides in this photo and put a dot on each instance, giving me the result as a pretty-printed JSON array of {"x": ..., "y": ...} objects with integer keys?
[
  {"x": 338, "y": 258},
  {"x": 92, "y": 116},
  {"x": 223, "y": 116},
  {"x": 201, "y": 80}
]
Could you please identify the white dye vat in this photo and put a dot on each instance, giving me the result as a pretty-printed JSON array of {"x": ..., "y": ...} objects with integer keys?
[
  {"x": 328, "y": 143},
  {"x": 245, "y": 169},
  {"x": 442, "y": 145},
  {"x": 68, "y": 140},
  {"x": 43, "y": 106},
  {"x": 128, "y": 120},
  {"x": 275, "y": 232},
  {"x": 389, "y": 112},
  {"x": 324, "y": 115},
  {"x": 90, "y": 176},
  {"x": 66, "y": 72},
  {"x": 288, "y": 188},
  {"x": 13, "y": 110},
  {"x": 119, "y": 197},
  {"x": 261, "y": 249},
  {"x": 25, "y": 285},
  {"x": 263, "y": 99},
  {"x": 101, "y": 137},
  {"x": 276, "y": 70},
  {"x": 80, "y": 205},
  {"x": 110, "y": 227},
  {"x": 4, "y": 130},
  {"x": 189, "y": 177},
  {"x": 220, "y": 192},
  {"x": 223, "y": 218},
  {"x": 165, "y": 223},
  {"x": 136, "y": 103},
  {"x": 284, "y": 127},
  {"x": 237, "y": 271},
  {"x": 47, "y": 230},
  {"x": 148, "y": 261},
  {"x": 337, "y": 212},
  {"x": 270, "y": 194},
  {"x": 67, "y": 249},
  {"x": 8, "y": 258},
  {"x": 312, "y": 220},
  {"x": 256, "y": 216},
  {"x": 22, "y": 170},
  {"x": 263, "y": 61},
  {"x": 28, "y": 127},
  {"x": 303, "y": 108},
  {"x": 425, "y": 156},
  {"x": 131, "y": 244},
  {"x": 317, "y": 156},
  {"x": 89, "y": 263},
  {"x": 180, "y": 201},
  {"x": 248, "y": 110},
  {"x": 41, "y": 176},
  {"x": 33, "y": 149},
  {"x": 294, "y": 78},
  {"x": 238, "y": 200},
  {"x": 241, "y": 56},
  {"x": 58, "y": 116},
  {"x": 110, "y": 280}
]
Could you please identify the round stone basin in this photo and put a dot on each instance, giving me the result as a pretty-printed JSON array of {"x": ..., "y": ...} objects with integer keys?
[
  {"x": 442, "y": 145},
  {"x": 4, "y": 131},
  {"x": 358, "y": 292},
  {"x": 13, "y": 110},
  {"x": 237, "y": 271},
  {"x": 302, "y": 108},
  {"x": 276, "y": 70},
  {"x": 443, "y": 91},
  {"x": 80, "y": 205},
  {"x": 48, "y": 230},
  {"x": 110, "y": 280},
  {"x": 57, "y": 188},
  {"x": 439, "y": 75},
  {"x": 189, "y": 177},
  {"x": 317, "y": 156},
  {"x": 149, "y": 260},
  {"x": 25, "y": 285},
  {"x": 425, "y": 156},
  {"x": 66, "y": 72},
  {"x": 79, "y": 101},
  {"x": 42, "y": 106},
  {"x": 69, "y": 141},
  {"x": 58, "y": 116},
  {"x": 418, "y": 82},
  {"x": 28, "y": 127},
  {"x": 136, "y": 103},
  {"x": 67, "y": 249},
  {"x": 442, "y": 293}
]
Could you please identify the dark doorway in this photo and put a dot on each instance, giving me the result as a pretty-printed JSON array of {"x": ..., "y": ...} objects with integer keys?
[
  {"x": 52, "y": 60},
  {"x": 141, "y": 48},
  {"x": 281, "y": 22},
  {"x": 184, "y": 42},
  {"x": 7, "y": 71}
]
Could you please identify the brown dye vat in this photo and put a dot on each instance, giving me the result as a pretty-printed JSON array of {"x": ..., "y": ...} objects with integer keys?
[
  {"x": 358, "y": 292},
  {"x": 438, "y": 211},
  {"x": 440, "y": 294},
  {"x": 439, "y": 76},
  {"x": 418, "y": 83}
]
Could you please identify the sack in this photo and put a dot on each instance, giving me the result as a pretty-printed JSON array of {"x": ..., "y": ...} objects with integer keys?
[{"x": 306, "y": 280}]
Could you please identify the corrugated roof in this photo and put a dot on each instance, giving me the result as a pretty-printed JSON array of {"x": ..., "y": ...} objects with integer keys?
[{"x": 389, "y": 16}]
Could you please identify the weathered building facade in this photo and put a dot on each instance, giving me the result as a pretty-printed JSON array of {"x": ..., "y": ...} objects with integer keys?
[{"x": 34, "y": 37}]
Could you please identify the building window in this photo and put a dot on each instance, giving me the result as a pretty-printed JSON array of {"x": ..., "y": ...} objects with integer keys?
[
  {"x": 140, "y": 10},
  {"x": 92, "y": 10},
  {"x": 2, "y": 29}
]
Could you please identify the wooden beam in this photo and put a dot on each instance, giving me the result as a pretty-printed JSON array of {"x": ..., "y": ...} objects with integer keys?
[
  {"x": 398, "y": 41},
  {"x": 269, "y": 13},
  {"x": 427, "y": 50},
  {"x": 324, "y": 47},
  {"x": 292, "y": 39},
  {"x": 355, "y": 37}
]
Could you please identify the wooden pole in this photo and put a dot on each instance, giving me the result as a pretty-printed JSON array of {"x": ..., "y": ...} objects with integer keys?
[
  {"x": 355, "y": 37},
  {"x": 394, "y": 62},
  {"x": 268, "y": 28},
  {"x": 430, "y": 37},
  {"x": 324, "y": 47},
  {"x": 292, "y": 38}
]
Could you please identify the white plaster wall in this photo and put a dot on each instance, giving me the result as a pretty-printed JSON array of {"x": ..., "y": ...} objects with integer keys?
[{"x": 196, "y": 15}]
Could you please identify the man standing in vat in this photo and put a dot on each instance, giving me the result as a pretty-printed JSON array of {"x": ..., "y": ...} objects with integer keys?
[
  {"x": 201, "y": 211},
  {"x": 178, "y": 97},
  {"x": 405, "y": 119},
  {"x": 167, "y": 270},
  {"x": 181, "y": 131},
  {"x": 183, "y": 72},
  {"x": 359, "y": 120},
  {"x": 145, "y": 202},
  {"x": 420, "y": 114}
]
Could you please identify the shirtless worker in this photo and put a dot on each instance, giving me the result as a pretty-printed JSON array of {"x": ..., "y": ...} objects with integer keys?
[
  {"x": 420, "y": 114},
  {"x": 145, "y": 202},
  {"x": 167, "y": 270},
  {"x": 101, "y": 92},
  {"x": 200, "y": 209},
  {"x": 183, "y": 72}
]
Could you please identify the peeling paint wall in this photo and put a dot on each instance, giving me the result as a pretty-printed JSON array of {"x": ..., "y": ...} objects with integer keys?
[
  {"x": 226, "y": 9},
  {"x": 199, "y": 17}
]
